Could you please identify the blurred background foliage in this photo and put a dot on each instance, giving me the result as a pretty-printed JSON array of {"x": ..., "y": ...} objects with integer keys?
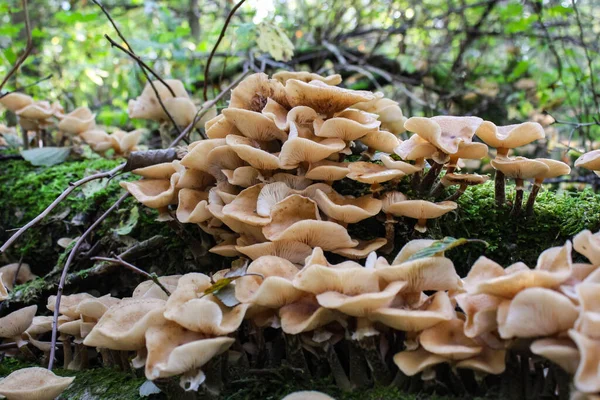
[{"x": 506, "y": 61}]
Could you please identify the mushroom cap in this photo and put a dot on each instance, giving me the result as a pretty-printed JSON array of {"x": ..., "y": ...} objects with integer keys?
[
  {"x": 448, "y": 339},
  {"x": 307, "y": 395},
  {"x": 481, "y": 311},
  {"x": 421, "y": 209},
  {"x": 380, "y": 141},
  {"x": 253, "y": 92},
  {"x": 219, "y": 127},
  {"x": 587, "y": 244},
  {"x": 297, "y": 150},
  {"x": 77, "y": 121},
  {"x": 347, "y": 209},
  {"x": 277, "y": 113},
  {"x": 360, "y": 305},
  {"x": 274, "y": 289},
  {"x": 123, "y": 325},
  {"x": 40, "y": 325},
  {"x": 367, "y": 172},
  {"x": 254, "y": 125},
  {"x": 435, "y": 309},
  {"x": 296, "y": 252},
  {"x": 182, "y": 109},
  {"x": 16, "y": 101},
  {"x": 153, "y": 193},
  {"x": 589, "y": 160},
  {"x": 149, "y": 289},
  {"x": 326, "y": 170},
  {"x": 3, "y": 289},
  {"x": 325, "y": 99},
  {"x": 520, "y": 167},
  {"x": 245, "y": 176},
  {"x": 244, "y": 207},
  {"x": 37, "y": 111},
  {"x": 293, "y": 181},
  {"x": 95, "y": 307},
  {"x": 510, "y": 136},
  {"x": 347, "y": 125},
  {"x": 464, "y": 179},
  {"x": 413, "y": 362},
  {"x": 68, "y": 304},
  {"x": 588, "y": 372},
  {"x": 192, "y": 178},
  {"x": 444, "y": 132},
  {"x": 536, "y": 312},
  {"x": 415, "y": 148},
  {"x": 284, "y": 76},
  {"x": 33, "y": 383},
  {"x": 471, "y": 151},
  {"x": 588, "y": 322},
  {"x": 306, "y": 315},
  {"x": 362, "y": 249},
  {"x": 405, "y": 167},
  {"x": 8, "y": 274},
  {"x": 125, "y": 142},
  {"x": 192, "y": 206},
  {"x": 555, "y": 168},
  {"x": 411, "y": 248},
  {"x": 560, "y": 351},
  {"x": 489, "y": 361},
  {"x": 147, "y": 106},
  {"x": 196, "y": 156},
  {"x": 250, "y": 151},
  {"x": 428, "y": 273},
  {"x": 17, "y": 322},
  {"x": 156, "y": 171},
  {"x": 98, "y": 140},
  {"x": 349, "y": 279}
]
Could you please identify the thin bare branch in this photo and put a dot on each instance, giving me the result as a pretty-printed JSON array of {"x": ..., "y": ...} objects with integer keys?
[
  {"x": 28, "y": 47},
  {"x": 23, "y": 88},
  {"x": 118, "y": 260}
]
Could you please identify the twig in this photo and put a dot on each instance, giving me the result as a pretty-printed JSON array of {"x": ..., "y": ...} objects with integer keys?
[
  {"x": 22, "y": 88},
  {"x": 14, "y": 282},
  {"x": 205, "y": 108},
  {"x": 28, "y": 47},
  {"x": 212, "y": 53},
  {"x": 65, "y": 271},
  {"x": 63, "y": 195},
  {"x": 120, "y": 261}
]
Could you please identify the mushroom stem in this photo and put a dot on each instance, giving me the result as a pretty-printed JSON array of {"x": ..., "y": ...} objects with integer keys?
[
  {"x": 376, "y": 189},
  {"x": 416, "y": 178},
  {"x": 337, "y": 370},
  {"x": 437, "y": 189},
  {"x": 458, "y": 193},
  {"x": 431, "y": 176},
  {"x": 500, "y": 191},
  {"x": 421, "y": 225},
  {"x": 25, "y": 138},
  {"x": 67, "y": 352},
  {"x": 516, "y": 210},
  {"x": 106, "y": 360},
  {"x": 532, "y": 195},
  {"x": 389, "y": 234}
]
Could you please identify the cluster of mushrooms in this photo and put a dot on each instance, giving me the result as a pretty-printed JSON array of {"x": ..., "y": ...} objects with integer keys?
[{"x": 551, "y": 311}]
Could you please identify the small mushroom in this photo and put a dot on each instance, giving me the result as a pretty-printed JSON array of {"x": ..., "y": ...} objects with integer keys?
[
  {"x": 421, "y": 210},
  {"x": 219, "y": 127},
  {"x": 297, "y": 150},
  {"x": 147, "y": 106},
  {"x": 253, "y": 152},
  {"x": 77, "y": 121},
  {"x": 555, "y": 168},
  {"x": 389, "y": 112},
  {"x": 362, "y": 250},
  {"x": 347, "y": 209},
  {"x": 418, "y": 149},
  {"x": 15, "y": 101},
  {"x": 447, "y": 339},
  {"x": 562, "y": 352},
  {"x": 14, "y": 324},
  {"x": 307, "y": 395},
  {"x": 589, "y": 160},
  {"x": 153, "y": 193},
  {"x": 588, "y": 371},
  {"x": 327, "y": 171},
  {"x": 412, "y": 362},
  {"x": 464, "y": 180},
  {"x": 306, "y": 315},
  {"x": 22, "y": 272},
  {"x": 33, "y": 383}
]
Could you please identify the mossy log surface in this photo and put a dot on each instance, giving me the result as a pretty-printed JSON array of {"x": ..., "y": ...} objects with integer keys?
[{"x": 174, "y": 248}]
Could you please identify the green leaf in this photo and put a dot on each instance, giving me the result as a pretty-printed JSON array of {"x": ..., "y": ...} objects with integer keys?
[
  {"x": 274, "y": 41},
  {"x": 125, "y": 229},
  {"x": 93, "y": 187},
  {"x": 46, "y": 156},
  {"x": 519, "y": 70},
  {"x": 438, "y": 247},
  {"x": 227, "y": 296}
]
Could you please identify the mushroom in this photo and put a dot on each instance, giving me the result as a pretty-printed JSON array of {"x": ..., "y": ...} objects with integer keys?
[
  {"x": 418, "y": 149},
  {"x": 15, "y": 101},
  {"x": 149, "y": 289},
  {"x": 147, "y": 106},
  {"x": 14, "y": 324},
  {"x": 306, "y": 315},
  {"x": 307, "y": 395},
  {"x": 284, "y": 76},
  {"x": 253, "y": 152},
  {"x": 254, "y": 125},
  {"x": 293, "y": 251},
  {"x": 245, "y": 176},
  {"x": 481, "y": 311},
  {"x": 362, "y": 249},
  {"x": 347, "y": 125},
  {"x": 373, "y": 174},
  {"x": 97, "y": 139},
  {"x": 125, "y": 142},
  {"x": 156, "y": 171},
  {"x": 3, "y": 289},
  {"x": 588, "y": 322},
  {"x": 464, "y": 180},
  {"x": 298, "y": 150},
  {"x": 254, "y": 91},
  {"x": 347, "y": 209},
  {"x": 327, "y": 171},
  {"x": 22, "y": 272},
  {"x": 555, "y": 168},
  {"x": 428, "y": 273},
  {"x": 77, "y": 121},
  {"x": 489, "y": 361},
  {"x": 192, "y": 206},
  {"x": 519, "y": 168},
  {"x": 412, "y": 362},
  {"x": 447, "y": 339},
  {"x": 388, "y": 110},
  {"x": 153, "y": 193},
  {"x": 379, "y": 141},
  {"x": 33, "y": 383},
  {"x": 419, "y": 209},
  {"x": 219, "y": 127},
  {"x": 589, "y": 160},
  {"x": 588, "y": 371},
  {"x": 504, "y": 138},
  {"x": 587, "y": 244},
  {"x": 562, "y": 352}
]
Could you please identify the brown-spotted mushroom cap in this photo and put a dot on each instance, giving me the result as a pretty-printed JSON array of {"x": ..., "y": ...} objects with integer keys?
[
  {"x": 504, "y": 138},
  {"x": 17, "y": 322},
  {"x": 420, "y": 210},
  {"x": 274, "y": 289},
  {"x": 367, "y": 172},
  {"x": 447, "y": 339},
  {"x": 537, "y": 312},
  {"x": 15, "y": 101},
  {"x": 77, "y": 121},
  {"x": 403, "y": 317},
  {"x": 347, "y": 209},
  {"x": 444, "y": 132},
  {"x": 560, "y": 351},
  {"x": 153, "y": 193},
  {"x": 589, "y": 160},
  {"x": 284, "y": 76},
  {"x": 33, "y": 383},
  {"x": 296, "y": 252},
  {"x": 253, "y": 92},
  {"x": 122, "y": 327},
  {"x": 323, "y": 98}
]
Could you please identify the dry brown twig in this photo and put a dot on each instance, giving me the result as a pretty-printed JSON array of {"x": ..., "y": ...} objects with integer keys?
[{"x": 119, "y": 260}]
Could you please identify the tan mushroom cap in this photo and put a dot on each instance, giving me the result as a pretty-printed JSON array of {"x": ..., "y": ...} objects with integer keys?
[
  {"x": 172, "y": 350},
  {"x": 16, "y": 101},
  {"x": 307, "y": 395},
  {"x": 444, "y": 132},
  {"x": 415, "y": 148},
  {"x": 156, "y": 171},
  {"x": 367, "y": 172},
  {"x": 33, "y": 383},
  {"x": 69, "y": 304},
  {"x": 536, "y": 312},
  {"x": 77, "y": 121},
  {"x": 399, "y": 165},
  {"x": 8, "y": 274},
  {"x": 510, "y": 136},
  {"x": 190, "y": 308},
  {"x": 555, "y": 168},
  {"x": 587, "y": 244},
  {"x": 271, "y": 194},
  {"x": 38, "y": 111},
  {"x": 122, "y": 327},
  {"x": 347, "y": 209},
  {"x": 428, "y": 273},
  {"x": 588, "y": 322},
  {"x": 98, "y": 140},
  {"x": 95, "y": 307},
  {"x": 560, "y": 351},
  {"x": 125, "y": 142},
  {"x": 588, "y": 372},
  {"x": 254, "y": 125},
  {"x": 192, "y": 178},
  {"x": 326, "y": 170},
  {"x": 520, "y": 167},
  {"x": 149, "y": 289},
  {"x": 411, "y": 248},
  {"x": 413, "y": 362},
  {"x": 350, "y": 279},
  {"x": 284, "y": 76},
  {"x": 293, "y": 181},
  {"x": 296, "y": 252},
  {"x": 360, "y": 305},
  {"x": 381, "y": 141},
  {"x": 306, "y": 315},
  {"x": 325, "y": 99},
  {"x": 243, "y": 176},
  {"x": 481, "y": 311},
  {"x": 253, "y": 92},
  {"x": 192, "y": 206},
  {"x": 464, "y": 179},
  {"x": 40, "y": 325},
  {"x": 589, "y": 160},
  {"x": 277, "y": 113},
  {"x": 17, "y": 322},
  {"x": 226, "y": 248},
  {"x": 471, "y": 151},
  {"x": 196, "y": 156},
  {"x": 153, "y": 193},
  {"x": 295, "y": 218},
  {"x": 489, "y": 361},
  {"x": 244, "y": 207},
  {"x": 402, "y": 317},
  {"x": 347, "y": 125},
  {"x": 219, "y": 127},
  {"x": 448, "y": 339},
  {"x": 251, "y": 152},
  {"x": 3, "y": 289},
  {"x": 389, "y": 113},
  {"x": 362, "y": 250},
  {"x": 297, "y": 150},
  {"x": 274, "y": 289},
  {"x": 421, "y": 210},
  {"x": 182, "y": 109},
  {"x": 147, "y": 106}
]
